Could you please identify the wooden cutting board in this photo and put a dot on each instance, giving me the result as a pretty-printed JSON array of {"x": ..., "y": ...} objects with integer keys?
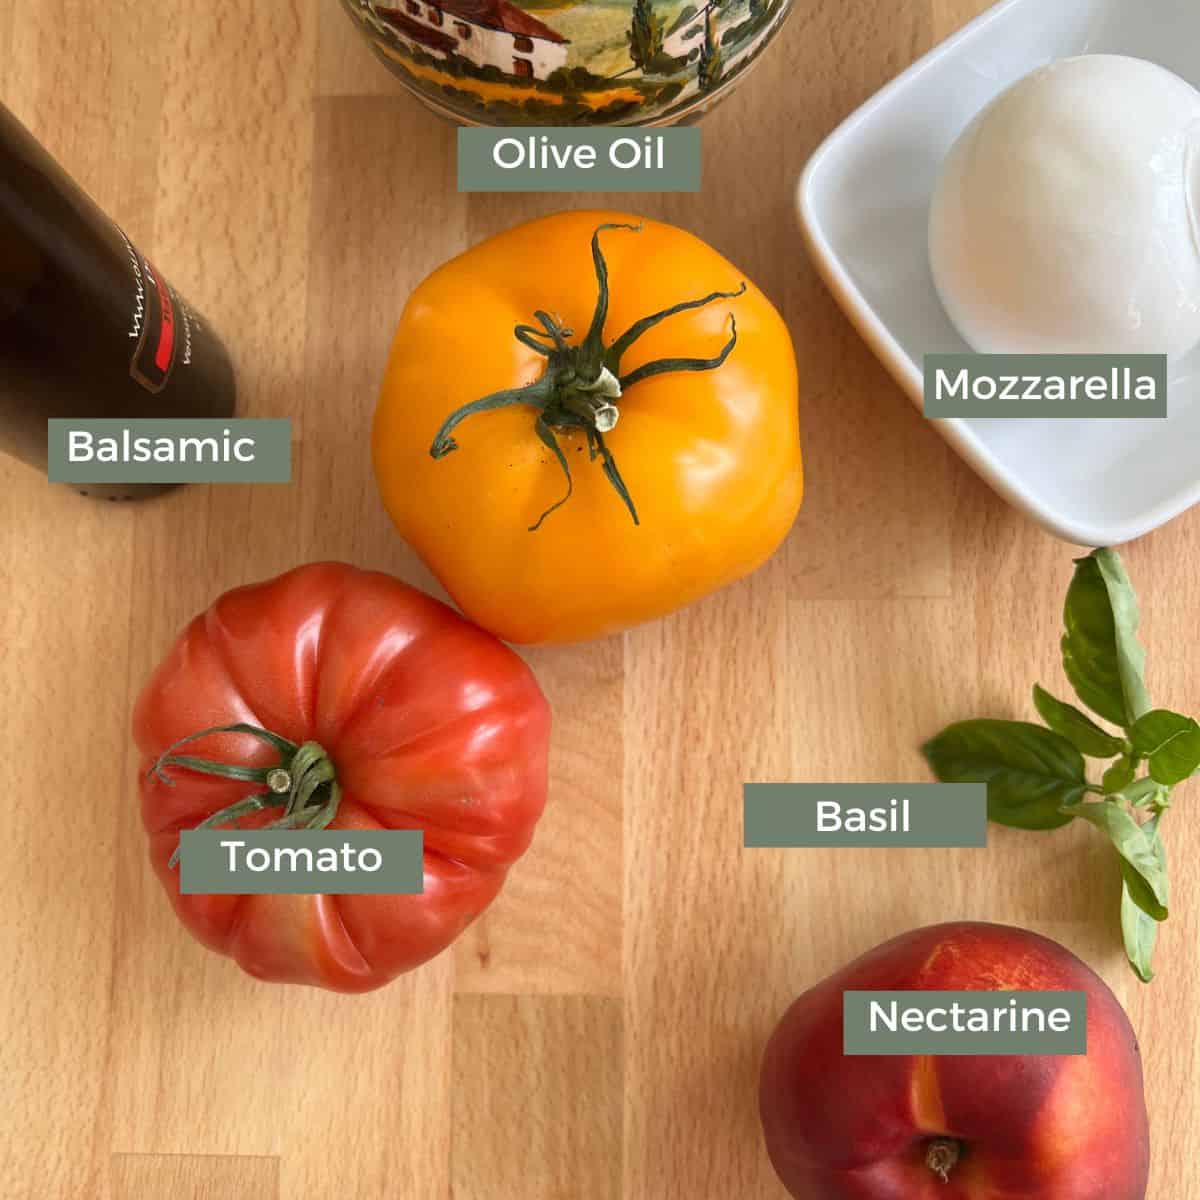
[{"x": 596, "y": 1034}]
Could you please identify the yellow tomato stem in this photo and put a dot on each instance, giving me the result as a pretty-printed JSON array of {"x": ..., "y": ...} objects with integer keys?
[
  {"x": 536, "y": 394},
  {"x": 664, "y": 366},
  {"x": 592, "y": 350},
  {"x": 527, "y": 335},
  {"x": 609, "y": 466},
  {"x": 617, "y": 350},
  {"x": 581, "y": 384},
  {"x": 559, "y": 334},
  {"x": 592, "y": 402},
  {"x": 551, "y": 441}
]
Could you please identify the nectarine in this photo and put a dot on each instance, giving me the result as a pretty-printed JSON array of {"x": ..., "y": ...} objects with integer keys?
[{"x": 956, "y": 1128}]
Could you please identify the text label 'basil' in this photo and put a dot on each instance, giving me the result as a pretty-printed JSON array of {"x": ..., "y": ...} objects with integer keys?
[{"x": 865, "y": 814}]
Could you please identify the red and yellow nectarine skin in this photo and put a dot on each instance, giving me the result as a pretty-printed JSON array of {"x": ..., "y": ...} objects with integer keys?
[{"x": 1028, "y": 1128}]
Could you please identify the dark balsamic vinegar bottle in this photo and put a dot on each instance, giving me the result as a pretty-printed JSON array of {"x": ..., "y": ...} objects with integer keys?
[{"x": 88, "y": 326}]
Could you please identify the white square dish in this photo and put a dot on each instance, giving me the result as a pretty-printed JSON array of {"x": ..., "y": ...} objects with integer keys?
[{"x": 864, "y": 207}]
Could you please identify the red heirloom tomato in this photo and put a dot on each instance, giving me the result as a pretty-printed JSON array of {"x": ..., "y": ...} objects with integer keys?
[{"x": 358, "y": 703}]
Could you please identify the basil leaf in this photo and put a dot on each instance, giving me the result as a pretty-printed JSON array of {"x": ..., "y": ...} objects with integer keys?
[
  {"x": 1152, "y": 731},
  {"x": 1101, "y": 654},
  {"x": 1031, "y": 772},
  {"x": 1077, "y": 727},
  {"x": 1139, "y": 930},
  {"x": 1131, "y": 656},
  {"x": 1119, "y": 775},
  {"x": 1170, "y": 742},
  {"x": 1143, "y": 865}
]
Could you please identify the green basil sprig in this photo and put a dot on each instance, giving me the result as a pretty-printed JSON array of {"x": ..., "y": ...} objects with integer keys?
[{"x": 1037, "y": 777}]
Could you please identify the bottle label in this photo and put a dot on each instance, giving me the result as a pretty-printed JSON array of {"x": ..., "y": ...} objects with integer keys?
[{"x": 161, "y": 325}]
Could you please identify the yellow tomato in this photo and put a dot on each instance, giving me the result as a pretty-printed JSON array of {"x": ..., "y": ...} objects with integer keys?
[{"x": 562, "y": 477}]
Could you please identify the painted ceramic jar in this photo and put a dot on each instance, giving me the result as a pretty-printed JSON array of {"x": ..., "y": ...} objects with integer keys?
[{"x": 569, "y": 62}]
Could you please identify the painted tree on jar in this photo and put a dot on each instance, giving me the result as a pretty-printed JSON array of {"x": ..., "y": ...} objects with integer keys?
[
  {"x": 645, "y": 34},
  {"x": 709, "y": 67}
]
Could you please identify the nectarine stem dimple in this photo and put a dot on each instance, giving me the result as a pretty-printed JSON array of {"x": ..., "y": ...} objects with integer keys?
[{"x": 941, "y": 1157}]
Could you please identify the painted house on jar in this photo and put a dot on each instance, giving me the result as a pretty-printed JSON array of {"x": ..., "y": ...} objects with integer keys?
[{"x": 488, "y": 33}]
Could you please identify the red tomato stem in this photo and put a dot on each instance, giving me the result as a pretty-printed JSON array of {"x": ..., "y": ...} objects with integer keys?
[{"x": 303, "y": 783}]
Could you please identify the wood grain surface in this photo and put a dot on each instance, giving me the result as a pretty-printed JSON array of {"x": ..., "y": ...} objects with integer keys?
[{"x": 596, "y": 1034}]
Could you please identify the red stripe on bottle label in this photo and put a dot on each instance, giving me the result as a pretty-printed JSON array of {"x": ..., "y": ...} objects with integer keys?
[
  {"x": 166, "y": 334},
  {"x": 154, "y": 356}
]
